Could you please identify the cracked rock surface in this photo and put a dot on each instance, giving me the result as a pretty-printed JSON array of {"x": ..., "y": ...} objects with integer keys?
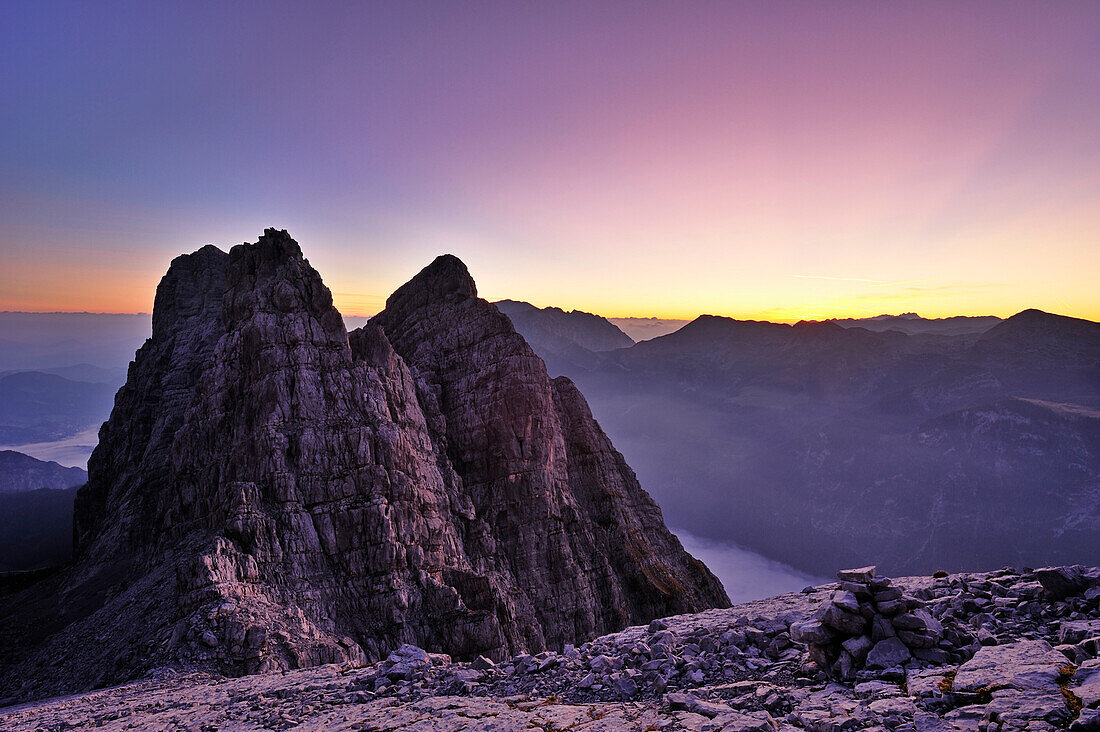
[
  {"x": 272, "y": 492},
  {"x": 735, "y": 669}
]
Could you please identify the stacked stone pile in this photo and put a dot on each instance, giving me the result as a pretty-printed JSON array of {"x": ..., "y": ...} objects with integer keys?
[
  {"x": 869, "y": 623},
  {"x": 1020, "y": 651}
]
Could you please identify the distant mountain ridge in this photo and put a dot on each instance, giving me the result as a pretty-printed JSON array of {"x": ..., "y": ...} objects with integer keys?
[
  {"x": 557, "y": 330},
  {"x": 585, "y": 329},
  {"x": 36, "y": 511},
  {"x": 826, "y": 443},
  {"x": 643, "y": 329},
  {"x": 912, "y": 323},
  {"x": 20, "y": 473},
  {"x": 86, "y": 372},
  {"x": 563, "y": 338}
]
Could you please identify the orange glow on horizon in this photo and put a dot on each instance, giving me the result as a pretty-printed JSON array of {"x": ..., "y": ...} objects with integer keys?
[
  {"x": 757, "y": 161},
  {"x": 930, "y": 302}
]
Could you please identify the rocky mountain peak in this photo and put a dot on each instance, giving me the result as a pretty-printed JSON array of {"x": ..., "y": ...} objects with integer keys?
[
  {"x": 446, "y": 277},
  {"x": 272, "y": 276},
  {"x": 272, "y": 492},
  {"x": 190, "y": 289}
]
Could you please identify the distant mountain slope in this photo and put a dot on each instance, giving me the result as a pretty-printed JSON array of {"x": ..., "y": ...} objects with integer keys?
[
  {"x": 642, "y": 329},
  {"x": 564, "y": 339},
  {"x": 820, "y": 445},
  {"x": 584, "y": 329},
  {"x": 912, "y": 324},
  {"x": 115, "y": 375},
  {"x": 36, "y": 407},
  {"x": 1014, "y": 481},
  {"x": 20, "y": 473}
]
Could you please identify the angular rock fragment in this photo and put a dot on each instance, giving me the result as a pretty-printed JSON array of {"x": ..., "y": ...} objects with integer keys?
[
  {"x": 1020, "y": 665},
  {"x": 1087, "y": 684},
  {"x": 887, "y": 653},
  {"x": 1063, "y": 582},
  {"x": 863, "y": 575}
]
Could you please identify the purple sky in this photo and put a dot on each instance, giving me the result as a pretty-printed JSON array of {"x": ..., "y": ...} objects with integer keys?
[{"x": 758, "y": 160}]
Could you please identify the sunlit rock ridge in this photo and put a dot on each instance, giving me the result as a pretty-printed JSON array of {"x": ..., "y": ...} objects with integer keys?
[{"x": 273, "y": 492}]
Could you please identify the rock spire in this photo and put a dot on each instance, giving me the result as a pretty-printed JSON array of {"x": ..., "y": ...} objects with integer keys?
[{"x": 274, "y": 492}]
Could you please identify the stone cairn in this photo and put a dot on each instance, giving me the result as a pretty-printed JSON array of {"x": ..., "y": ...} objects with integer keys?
[{"x": 869, "y": 624}]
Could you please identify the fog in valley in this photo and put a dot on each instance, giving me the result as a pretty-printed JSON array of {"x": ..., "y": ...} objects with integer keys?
[{"x": 745, "y": 574}]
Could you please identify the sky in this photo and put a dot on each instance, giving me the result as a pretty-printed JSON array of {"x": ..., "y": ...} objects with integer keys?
[{"x": 771, "y": 160}]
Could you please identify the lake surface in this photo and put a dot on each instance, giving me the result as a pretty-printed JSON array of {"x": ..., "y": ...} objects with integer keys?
[{"x": 745, "y": 574}]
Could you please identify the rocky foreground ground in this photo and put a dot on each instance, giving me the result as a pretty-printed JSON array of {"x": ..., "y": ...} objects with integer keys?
[{"x": 1009, "y": 649}]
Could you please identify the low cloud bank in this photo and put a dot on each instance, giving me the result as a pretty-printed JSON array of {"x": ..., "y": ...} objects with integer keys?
[{"x": 745, "y": 574}]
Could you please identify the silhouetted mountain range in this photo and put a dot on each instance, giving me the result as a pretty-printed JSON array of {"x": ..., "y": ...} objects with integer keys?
[
  {"x": 940, "y": 445},
  {"x": 577, "y": 327},
  {"x": 36, "y": 511},
  {"x": 643, "y": 329},
  {"x": 562, "y": 337},
  {"x": 20, "y": 473},
  {"x": 911, "y": 323}
]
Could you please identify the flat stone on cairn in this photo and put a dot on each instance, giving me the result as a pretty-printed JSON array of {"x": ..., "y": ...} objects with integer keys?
[
  {"x": 862, "y": 575},
  {"x": 868, "y": 624}
]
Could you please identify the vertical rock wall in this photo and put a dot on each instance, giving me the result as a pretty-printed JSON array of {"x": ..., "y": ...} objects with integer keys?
[{"x": 273, "y": 492}]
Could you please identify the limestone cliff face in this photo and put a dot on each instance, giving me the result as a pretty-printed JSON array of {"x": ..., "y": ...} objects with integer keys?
[
  {"x": 273, "y": 492},
  {"x": 553, "y": 513}
]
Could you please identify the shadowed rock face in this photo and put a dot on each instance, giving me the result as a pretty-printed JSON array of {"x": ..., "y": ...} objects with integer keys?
[
  {"x": 273, "y": 492},
  {"x": 554, "y": 511}
]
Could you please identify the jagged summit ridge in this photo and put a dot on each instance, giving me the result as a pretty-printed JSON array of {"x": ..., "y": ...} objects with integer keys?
[
  {"x": 539, "y": 472},
  {"x": 274, "y": 492},
  {"x": 445, "y": 277}
]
